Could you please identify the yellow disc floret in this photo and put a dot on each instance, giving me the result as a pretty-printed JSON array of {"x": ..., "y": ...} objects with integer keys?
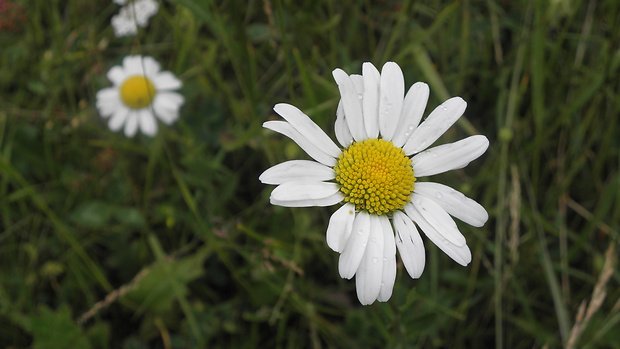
[
  {"x": 137, "y": 92},
  {"x": 375, "y": 176}
]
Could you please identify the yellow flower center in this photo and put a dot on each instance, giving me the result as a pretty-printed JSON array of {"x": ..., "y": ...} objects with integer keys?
[
  {"x": 375, "y": 176},
  {"x": 137, "y": 92}
]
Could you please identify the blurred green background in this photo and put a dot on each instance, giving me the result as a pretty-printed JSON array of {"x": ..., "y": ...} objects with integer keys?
[{"x": 170, "y": 242}]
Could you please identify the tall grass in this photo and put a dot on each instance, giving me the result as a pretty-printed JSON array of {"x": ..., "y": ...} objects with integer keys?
[{"x": 170, "y": 242}]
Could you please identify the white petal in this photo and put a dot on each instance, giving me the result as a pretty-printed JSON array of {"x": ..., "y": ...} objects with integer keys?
[
  {"x": 343, "y": 135},
  {"x": 116, "y": 75},
  {"x": 302, "y": 123},
  {"x": 166, "y": 106},
  {"x": 438, "y": 218},
  {"x": 151, "y": 68},
  {"x": 369, "y": 274},
  {"x": 322, "y": 202},
  {"x": 108, "y": 101},
  {"x": 339, "y": 228},
  {"x": 370, "y": 102},
  {"x": 449, "y": 156},
  {"x": 118, "y": 118},
  {"x": 454, "y": 202},
  {"x": 352, "y": 105},
  {"x": 297, "y": 170},
  {"x": 356, "y": 245},
  {"x": 410, "y": 245},
  {"x": 460, "y": 254},
  {"x": 389, "y": 262},
  {"x": 310, "y": 148},
  {"x": 147, "y": 123},
  {"x": 304, "y": 191},
  {"x": 390, "y": 99},
  {"x": 131, "y": 125},
  {"x": 133, "y": 65},
  {"x": 411, "y": 114},
  {"x": 435, "y": 125},
  {"x": 166, "y": 81}
]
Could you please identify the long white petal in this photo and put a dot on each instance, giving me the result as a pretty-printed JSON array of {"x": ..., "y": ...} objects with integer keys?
[
  {"x": 151, "y": 67},
  {"x": 118, "y": 119},
  {"x": 116, "y": 75},
  {"x": 108, "y": 101},
  {"x": 166, "y": 81},
  {"x": 356, "y": 245},
  {"x": 147, "y": 122},
  {"x": 435, "y": 125},
  {"x": 341, "y": 128},
  {"x": 297, "y": 170},
  {"x": 369, "y": 274},
  {"x": 302, "y": 123},
  {"x": 410, "y": 116},
  {"x": 352, "y": 105},
  {"x": 391, "y": 99},
  {"x": 449, "y": 156},
  {"x": 339, "y": 228},
  {"x": 131, "y": 125},
  {"x": 460, "y": 254},
  {"x": 310, "y": 148},
  {"x": 438, "y": 218},
  {"x": 304, "y": 190},
  {"x": 410, "y": 245},
  {"x": 370, "y": 100},
  {"x": 389, "y": 261},
  {"x": 454, "y": 202},
  {"x": 322, "y": 202}
]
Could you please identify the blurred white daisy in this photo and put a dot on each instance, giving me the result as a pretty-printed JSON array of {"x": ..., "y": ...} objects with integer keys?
[
  {"x": 133, "y": 14},
  {"x": 384, "y": 149},
  {"x": 141, "y": 92}
]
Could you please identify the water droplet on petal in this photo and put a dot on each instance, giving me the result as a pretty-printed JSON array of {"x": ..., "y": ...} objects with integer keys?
[
  {"x": 407, "y": 134},
  {"x": 375, "y": 260},
  {"x": 444, "y": 107},
  {"x": 439, "y": 195},
  {"x": 359, "y": 232},
  {"x": 359, "y": 95},
  {"x": 411, "y": 127},
  {"x": 385, "y": 259}
]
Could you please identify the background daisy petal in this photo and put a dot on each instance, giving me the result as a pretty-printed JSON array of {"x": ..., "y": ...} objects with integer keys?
[
  {"x": 339, "y": 227},
  {"x": 454, "y": 202},
  {"x": 352, "y": 105},
  {"x": 411, "y": 114},
  {"x": 435, "y": 125},
  {"x": 388, "y": 277},
  {"x": 297, "y": 170},
  {"x": 460, "y": 254},
  {"x": 310, "y": 148},
  {"x": 302, "y": 123},
  {"x": 108, "y": 101},
  {"x": 390, "y": 99},
  {"x": 370, "y": 100},
  {"x": 410, "y": 245},
  {"x": 356, "y": 245},
  {"x": 449, "y": 156},
  {"x": 369, "y": 274}
]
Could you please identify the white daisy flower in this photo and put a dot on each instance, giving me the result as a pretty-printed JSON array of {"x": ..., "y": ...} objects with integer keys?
[
  {"x": 133, "y": 15},
  {"x": 384, "y": 149},
  {"x": 140, "y": 93}
]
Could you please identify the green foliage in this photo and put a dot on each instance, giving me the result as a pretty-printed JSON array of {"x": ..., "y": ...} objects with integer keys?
[{"x": 170, "y": 242}]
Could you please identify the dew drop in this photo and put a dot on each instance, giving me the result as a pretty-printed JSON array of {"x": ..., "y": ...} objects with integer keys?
[
  {"x": 373, "y": 240},
  {"x": 375, "y": 260},
  {"x": 411, "y": 127},
  {"x": 444, "y": 107},
  {"x": 439, "y": 195},
  {"x": 359, "y": 95},
  {"x": 407, "y": 134},
  {"x": 385, "y": 259},
  {"x": 359, "y": 232}
]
